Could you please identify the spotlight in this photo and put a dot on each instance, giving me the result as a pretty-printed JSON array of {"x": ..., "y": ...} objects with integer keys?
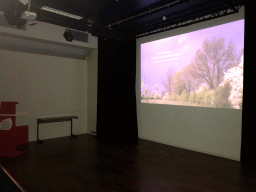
[{"x": 68, "y": 35}]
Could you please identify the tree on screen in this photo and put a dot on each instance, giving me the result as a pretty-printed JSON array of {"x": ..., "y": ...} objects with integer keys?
[
  {"x": 147, "y": 92},
  {"x": 179, "y": 83},
  {"x": 212, "y": 61},
  {"x": 234, "y": 77},
  {"x": 168, "y": 81},
  {"x": 183, "y": 81},
  {"x": 156, "y": 96}
]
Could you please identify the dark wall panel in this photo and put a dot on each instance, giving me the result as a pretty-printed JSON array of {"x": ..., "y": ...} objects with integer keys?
[
  {"x": 116, "y": 111},
  {"x": 248, "y": 122}
]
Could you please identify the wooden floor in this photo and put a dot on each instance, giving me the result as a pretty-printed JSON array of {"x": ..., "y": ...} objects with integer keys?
[{"x": 83, "y": 164}]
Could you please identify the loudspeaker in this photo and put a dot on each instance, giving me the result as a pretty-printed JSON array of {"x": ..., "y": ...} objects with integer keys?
[{"x": 68, "y": 35}]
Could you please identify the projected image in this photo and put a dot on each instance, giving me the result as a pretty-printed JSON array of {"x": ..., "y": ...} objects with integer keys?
[{"x": 202, "y": 68}]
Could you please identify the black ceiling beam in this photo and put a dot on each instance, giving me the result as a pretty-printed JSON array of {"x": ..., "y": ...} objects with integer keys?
[
  {"x": 177, "y": 17},
  {"x": 82, "y": 25},
  {"x": 229, "y": 4},
  {"x": 149, "y": 11},
  {"x": 100, "y": 31},
  {"x": 198, "y": 19}
]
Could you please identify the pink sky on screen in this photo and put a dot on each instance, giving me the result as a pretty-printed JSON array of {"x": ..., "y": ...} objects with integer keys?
[{"x": 178, "y": 51}]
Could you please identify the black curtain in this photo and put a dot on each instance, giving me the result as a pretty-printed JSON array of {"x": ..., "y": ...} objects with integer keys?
[
  {"x": 248, "y": 157},
  {"x": 116, "y": 107}
]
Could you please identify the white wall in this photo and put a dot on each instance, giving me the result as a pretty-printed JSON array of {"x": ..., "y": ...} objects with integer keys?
[
  {"x": 208, "y": 130},
  {"x": 45, "y": 86},
  {"x": 48, "y": 85}
]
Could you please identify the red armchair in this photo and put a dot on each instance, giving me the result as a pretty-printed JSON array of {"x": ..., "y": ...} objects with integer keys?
[{"x": 13, "y": 139}]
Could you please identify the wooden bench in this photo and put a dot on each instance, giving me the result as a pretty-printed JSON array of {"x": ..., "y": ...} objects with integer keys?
[{"x": 53, "y": 120}]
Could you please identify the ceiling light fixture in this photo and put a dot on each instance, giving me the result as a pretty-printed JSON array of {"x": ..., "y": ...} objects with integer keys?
[{"x": 52, "y": 10}]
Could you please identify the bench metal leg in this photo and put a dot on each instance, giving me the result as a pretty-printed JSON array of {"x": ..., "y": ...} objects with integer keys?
[
  {"x": 38, "y": 140},
  {"x": 72, "y": 129}
]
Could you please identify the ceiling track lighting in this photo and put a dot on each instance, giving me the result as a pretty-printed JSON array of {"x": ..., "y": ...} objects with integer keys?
[
  {"x": 52, "y": 10},
  {"x": 146, "y": 12}
]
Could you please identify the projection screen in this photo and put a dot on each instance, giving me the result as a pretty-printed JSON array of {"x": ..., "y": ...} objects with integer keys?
[{"x": 201, "y": 68}]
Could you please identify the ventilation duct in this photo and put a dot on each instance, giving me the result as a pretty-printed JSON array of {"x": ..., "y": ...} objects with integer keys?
[{"x": 43, "y": 47}]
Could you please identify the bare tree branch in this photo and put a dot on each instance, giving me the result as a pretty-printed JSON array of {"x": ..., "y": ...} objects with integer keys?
[{"x": 213, "y": 60}]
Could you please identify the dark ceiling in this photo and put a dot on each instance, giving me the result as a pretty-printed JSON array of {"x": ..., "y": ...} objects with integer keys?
[{"x": 125, "y": 19}]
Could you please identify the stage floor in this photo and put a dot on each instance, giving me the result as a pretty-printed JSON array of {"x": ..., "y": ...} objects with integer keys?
[{"x": 83, "y": 164}]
